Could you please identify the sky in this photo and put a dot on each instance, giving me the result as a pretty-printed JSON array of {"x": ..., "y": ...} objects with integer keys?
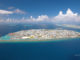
[{"x": 40, "y": 10}]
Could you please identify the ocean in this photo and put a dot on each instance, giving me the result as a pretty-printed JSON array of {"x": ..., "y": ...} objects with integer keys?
[{"x": 46, "y": 50}]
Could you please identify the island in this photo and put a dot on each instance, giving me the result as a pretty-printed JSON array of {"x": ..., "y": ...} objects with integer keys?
[
  {"x": 70, "y": 26},
  {"x": 40, "y": 34}
]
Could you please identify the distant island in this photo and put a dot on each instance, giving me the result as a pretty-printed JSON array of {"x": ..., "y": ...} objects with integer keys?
[
  {"x": 40, "y": 34},
  {"x": 70, "y": 26}
]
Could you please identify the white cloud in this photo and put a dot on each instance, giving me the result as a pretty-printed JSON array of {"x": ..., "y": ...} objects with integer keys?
[
  {"x": 19, "y": 11},
  {"x": 16, "y": 10},
  {"x": 69, "y": 17},
  {"x": 39, "y": 18},
  {"x": 5, "y": 12},
  {"x": 11, "y": 7},
  {"x": 25, "y": 20}
]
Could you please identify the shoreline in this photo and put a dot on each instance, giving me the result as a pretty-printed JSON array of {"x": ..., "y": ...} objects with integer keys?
[{"x": 45, "y": 40}]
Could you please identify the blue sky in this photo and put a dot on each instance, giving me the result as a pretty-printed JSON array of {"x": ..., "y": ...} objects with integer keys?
[
  {"x": 38, "y": 7},
  {"x": 35, "y": 8}
]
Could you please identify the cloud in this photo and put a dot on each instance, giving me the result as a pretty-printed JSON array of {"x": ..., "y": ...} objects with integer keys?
[
  {"x": 26, "y": 20},
  {"x": 5, "y": 12},
  {"x": 11, "y": 7},
  {"x": 69, "y": 17},
  {"x": 18, "y": 11},
  {"x": 39, "y": 18}
]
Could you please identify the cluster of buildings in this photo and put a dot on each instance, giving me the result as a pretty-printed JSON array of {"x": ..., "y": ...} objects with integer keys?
[{"x": 44, "y": 34}]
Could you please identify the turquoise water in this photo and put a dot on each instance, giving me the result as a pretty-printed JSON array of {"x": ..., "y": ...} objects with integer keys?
[{"x": 6, "y": 37}]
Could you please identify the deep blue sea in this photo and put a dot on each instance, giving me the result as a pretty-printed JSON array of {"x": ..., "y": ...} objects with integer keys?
[{"x": 68, "y": 49}]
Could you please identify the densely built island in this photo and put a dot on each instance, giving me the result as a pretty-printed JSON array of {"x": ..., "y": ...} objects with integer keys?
[{"x": 41, "y": 34}]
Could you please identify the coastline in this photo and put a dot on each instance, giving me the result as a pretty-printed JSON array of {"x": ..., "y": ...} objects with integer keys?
[{"x": 36, "y": 40}]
